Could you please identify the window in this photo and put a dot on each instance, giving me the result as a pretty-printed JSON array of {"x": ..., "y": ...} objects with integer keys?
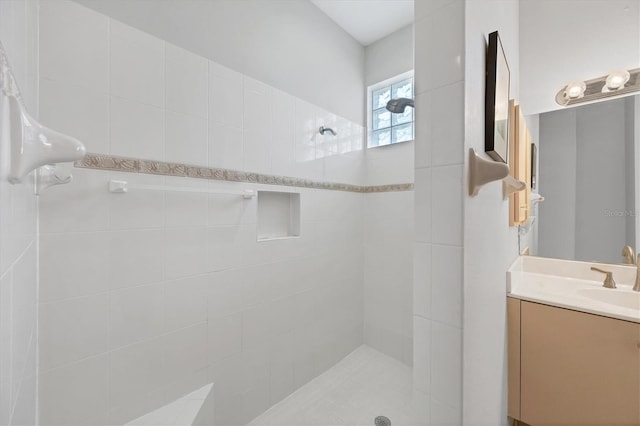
[{"x": 386, "y": 128}]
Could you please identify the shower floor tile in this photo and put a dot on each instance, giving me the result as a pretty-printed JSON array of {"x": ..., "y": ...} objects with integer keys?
[{"x": 362, "y": 386}]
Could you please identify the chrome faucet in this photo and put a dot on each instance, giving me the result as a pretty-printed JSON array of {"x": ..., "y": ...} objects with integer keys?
[{"x": 636, "y": 287}]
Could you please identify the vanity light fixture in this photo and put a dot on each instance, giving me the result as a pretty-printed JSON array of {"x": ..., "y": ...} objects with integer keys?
[
  {"x": 618, "y": 83},
  {"x": 616, "y": 80},
  {"x": 575, "y": 89}
]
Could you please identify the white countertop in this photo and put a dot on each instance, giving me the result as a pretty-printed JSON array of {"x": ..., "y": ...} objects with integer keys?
[{"x": 572, "y": 285}]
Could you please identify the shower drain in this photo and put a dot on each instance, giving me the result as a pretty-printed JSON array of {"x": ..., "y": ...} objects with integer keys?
[{"x": 382, "y": 421}]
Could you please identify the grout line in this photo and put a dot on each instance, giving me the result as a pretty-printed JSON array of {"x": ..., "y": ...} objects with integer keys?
[
  {"x": 108, "y": 352},
  {"x": 37, "y": 239}
]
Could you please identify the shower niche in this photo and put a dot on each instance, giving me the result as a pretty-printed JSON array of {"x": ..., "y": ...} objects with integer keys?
[{"x": 278, "y": 215}]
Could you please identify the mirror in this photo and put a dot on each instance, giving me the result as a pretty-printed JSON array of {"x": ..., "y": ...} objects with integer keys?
[
  {"x": 587, "y": 174},
  {"x": 583, "y": 174}
]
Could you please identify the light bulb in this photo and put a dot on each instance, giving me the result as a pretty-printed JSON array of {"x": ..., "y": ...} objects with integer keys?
[
  {"x": 575, "y": 89},
  {"x": 617, "y": 79}
]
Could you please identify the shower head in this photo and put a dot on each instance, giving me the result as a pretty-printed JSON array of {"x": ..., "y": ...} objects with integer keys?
[{"x": 398, "y": 105}]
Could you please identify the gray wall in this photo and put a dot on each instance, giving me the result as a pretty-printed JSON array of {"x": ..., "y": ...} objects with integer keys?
[
  {"x": 530, "y": 239},
  {"x": 289, "y": 44},
  {"x": 630, "y": 152},
  {"x": 557, "y": 183},
  {"x": 585, "y": 170}
]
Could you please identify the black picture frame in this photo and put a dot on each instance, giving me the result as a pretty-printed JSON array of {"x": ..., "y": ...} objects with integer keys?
[
  {"x": 496, "y": 142},
  {"x": 534, "y": 165}
]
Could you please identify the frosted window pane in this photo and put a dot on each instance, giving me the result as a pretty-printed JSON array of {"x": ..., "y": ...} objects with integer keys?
[
  {"x": 403, "y": 89},
  {"x": 405, "y": 117},
  {"x": 381, "y": 97},
  {"x": 402, "y": 133},
  {"x": 381, "y": 137},
  {"x": 381, "y": 119}
]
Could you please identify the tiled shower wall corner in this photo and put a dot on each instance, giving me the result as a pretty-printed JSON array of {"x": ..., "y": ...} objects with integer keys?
[
  {"x": 175, "y": 292},
  {"x": 18, "y": 240},
  {"x": 173, "y": 289},
  {"x": 388, "y": 257},
  {"x": 388, "y": 273},
  {"x": 438, "y": 250}
]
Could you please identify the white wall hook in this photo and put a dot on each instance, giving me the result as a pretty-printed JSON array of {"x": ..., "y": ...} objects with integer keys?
[
  {"x": 26, "y": 144},
  {"x": 483, "y": 171},
  {"x": 51, "y": 175}
]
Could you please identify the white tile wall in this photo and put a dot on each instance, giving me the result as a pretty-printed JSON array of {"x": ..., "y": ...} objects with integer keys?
[
  {"x": 140, "y": 96},
  {"x": 76, "y": 110},
  {"x": 388, "y": 271},
  {"x": 142, "y": 210},
  {"x": 446, "y": 284},
  {"x": 422, "y": 280},
  {"x": 438, "y": 255},
  {"x": 18, "y": 240},
  {"x": 198, "y": 280},
  {"x": 186, "y": 138},
  {"x": 283, "y": 110},
  {"x": 446, "y": 210},
  {"x": 388, "y": 250},
  {"x": 257, "y": 121},
  {"x": 137, "y": 129},
  {"x": 85, "y": 381},
  {"x": 84, "y": 59},
  {"x": 422, "y": 354},
  {"x": 73, "y": 329},
  {"x": 390, "y": 164},
  {"x": 447, "y": 20},
  {"x": 186, "y": 82},
  {"x": 136, "y": 64}
]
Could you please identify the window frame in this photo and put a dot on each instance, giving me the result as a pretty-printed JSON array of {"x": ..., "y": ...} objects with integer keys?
[{"x": 374, "y": 87}]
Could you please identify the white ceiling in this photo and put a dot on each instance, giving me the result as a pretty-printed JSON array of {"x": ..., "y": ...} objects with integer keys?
[{"x": 368, "y": 20}]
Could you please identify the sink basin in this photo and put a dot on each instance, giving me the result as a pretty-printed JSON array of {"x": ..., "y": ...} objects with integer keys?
[
  {"x": 573, "y": 285},
  {"x": 617, "y": 297}
]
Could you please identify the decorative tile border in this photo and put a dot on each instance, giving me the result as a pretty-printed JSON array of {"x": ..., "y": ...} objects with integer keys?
[{"x": 134, "y": 165}]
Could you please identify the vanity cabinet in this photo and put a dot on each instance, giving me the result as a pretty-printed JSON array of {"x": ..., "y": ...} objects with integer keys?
[{"x": 572, "y": 368}]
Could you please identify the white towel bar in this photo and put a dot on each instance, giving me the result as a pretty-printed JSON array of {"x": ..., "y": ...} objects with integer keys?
[{"x": 122, "y": 187}]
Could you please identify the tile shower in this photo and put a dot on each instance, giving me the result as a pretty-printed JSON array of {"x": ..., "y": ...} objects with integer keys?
[
  {"x": 95, "y": 100},
  {"x": 147, "y": 296}
]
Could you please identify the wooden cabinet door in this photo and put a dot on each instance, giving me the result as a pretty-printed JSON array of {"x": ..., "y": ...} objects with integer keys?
[
  {"x": 578, "y": 369},
  {"x": 513, "y": 358}
]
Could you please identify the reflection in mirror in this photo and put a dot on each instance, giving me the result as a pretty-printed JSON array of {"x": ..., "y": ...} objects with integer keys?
[{"x": 586, "y": 175}]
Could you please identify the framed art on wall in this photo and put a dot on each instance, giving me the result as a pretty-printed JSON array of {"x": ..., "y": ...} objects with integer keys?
[{"x": 496, "y": 143}]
